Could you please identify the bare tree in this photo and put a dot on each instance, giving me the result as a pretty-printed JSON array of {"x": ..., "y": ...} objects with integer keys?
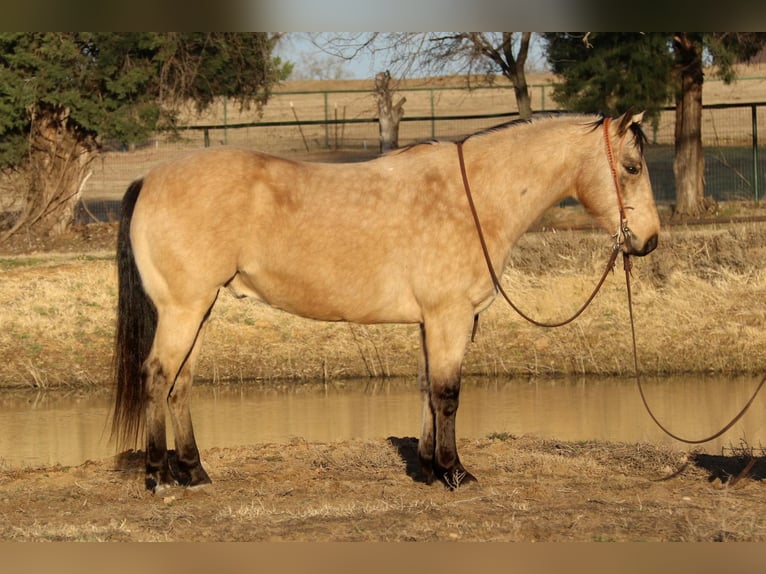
[
  {"x": 512, "y": 65},
  {"x": 435, "y": 53}
]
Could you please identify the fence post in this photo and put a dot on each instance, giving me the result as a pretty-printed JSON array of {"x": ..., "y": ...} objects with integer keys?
[
  {"x": 433, "y": 115},
  {"x": 754, "y": 111},
  {"x": 225, "y": 121},
  {"x": 326, "y": 125}
]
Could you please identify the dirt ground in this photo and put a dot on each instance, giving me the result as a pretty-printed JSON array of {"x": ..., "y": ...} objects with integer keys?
[{"x": 529, "y": 490}]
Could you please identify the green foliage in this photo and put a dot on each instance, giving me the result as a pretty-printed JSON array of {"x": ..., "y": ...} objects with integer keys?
[
  {"x": 728, "y": 48},
  {"x": 122, "y": 86},
  {"x": 611, "y": 72}
]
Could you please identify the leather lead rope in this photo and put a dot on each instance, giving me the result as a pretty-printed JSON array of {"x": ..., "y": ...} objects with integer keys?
[
  {"x": 496, "y": 281},
  {"x": 624, "y": 231},
  {"x": 641, "y": 387}
]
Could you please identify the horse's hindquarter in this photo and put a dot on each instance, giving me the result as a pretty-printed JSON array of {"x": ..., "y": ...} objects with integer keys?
[{"x": 369, "y": 242}]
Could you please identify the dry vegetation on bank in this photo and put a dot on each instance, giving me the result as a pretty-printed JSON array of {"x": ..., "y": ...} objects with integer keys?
[{"x": 700, "y": 306}]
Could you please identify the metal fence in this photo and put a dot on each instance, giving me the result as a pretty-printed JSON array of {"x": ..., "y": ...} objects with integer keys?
[{"x": 735, "y": 161}]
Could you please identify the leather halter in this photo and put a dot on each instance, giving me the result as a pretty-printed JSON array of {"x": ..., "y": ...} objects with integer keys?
[{"x": 624, "y": 231}]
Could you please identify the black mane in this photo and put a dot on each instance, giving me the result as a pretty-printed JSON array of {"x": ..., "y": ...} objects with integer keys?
[
  {"x": 639, "y": 137},
  {"x": 638, "y": 134}
]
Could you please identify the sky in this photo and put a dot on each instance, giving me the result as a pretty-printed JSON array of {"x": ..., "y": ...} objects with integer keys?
[{"x": 298, "y": 48}]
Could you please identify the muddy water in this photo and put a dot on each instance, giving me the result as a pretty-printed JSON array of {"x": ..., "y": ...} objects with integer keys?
[{"x": 55, "y": 428}]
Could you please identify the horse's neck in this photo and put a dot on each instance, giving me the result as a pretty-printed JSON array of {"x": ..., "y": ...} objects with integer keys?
[{"x": 535, "y": 168}]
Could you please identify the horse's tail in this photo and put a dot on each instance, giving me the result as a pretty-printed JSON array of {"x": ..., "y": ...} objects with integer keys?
[{"x": 136, "y": 325}]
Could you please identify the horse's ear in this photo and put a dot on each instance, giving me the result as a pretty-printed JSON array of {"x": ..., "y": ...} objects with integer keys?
[{"x": 626, "y": 120}]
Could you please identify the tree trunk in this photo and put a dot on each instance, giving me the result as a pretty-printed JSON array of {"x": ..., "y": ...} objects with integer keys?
[
  {"x": 517, "y": 75},
  {"x": 389, "y": 115},
  {"x": 689, "y": 163},
  {"x": 522, "y": 95},
  {"x": 56, "y": 168},
  {"x": 512, "y": 65}
]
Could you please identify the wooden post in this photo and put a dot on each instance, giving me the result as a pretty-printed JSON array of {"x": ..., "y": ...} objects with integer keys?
[{"x": 389, "y": 115}]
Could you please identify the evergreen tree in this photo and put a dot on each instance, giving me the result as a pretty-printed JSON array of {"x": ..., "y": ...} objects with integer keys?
[
  {"x": 64, "y": 95},
  {"x": 610, "y": 72}
]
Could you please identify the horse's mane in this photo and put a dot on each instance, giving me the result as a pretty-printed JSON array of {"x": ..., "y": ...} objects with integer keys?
[
  {"x": 504, "y": 126},
  {"x": 489, "y": 130},
  {"x": 638, "y": 134},
  {"x": 639, "y": 137}
]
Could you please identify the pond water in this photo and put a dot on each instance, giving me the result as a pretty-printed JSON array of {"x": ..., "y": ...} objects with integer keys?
[{"x": 58, "y": 428}]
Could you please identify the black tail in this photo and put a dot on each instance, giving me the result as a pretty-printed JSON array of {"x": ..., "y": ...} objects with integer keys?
[{"x": 136, "y": 325}]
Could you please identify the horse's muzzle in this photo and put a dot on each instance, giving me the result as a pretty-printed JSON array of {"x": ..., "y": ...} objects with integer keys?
[{"x": 634, "y": 247}]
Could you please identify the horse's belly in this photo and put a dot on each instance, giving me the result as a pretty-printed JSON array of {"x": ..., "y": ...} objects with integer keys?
[{"x": 327, "y": 299}]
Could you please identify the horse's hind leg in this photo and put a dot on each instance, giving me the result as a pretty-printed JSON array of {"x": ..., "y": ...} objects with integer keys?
[
  {"x": 444, "y": 339},
  {"x": 188, "y": 471},
  {"x": 167, "y": 379}
]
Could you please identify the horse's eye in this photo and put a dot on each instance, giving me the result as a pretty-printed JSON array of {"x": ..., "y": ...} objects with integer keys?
[{"x": 633, "y": 169}]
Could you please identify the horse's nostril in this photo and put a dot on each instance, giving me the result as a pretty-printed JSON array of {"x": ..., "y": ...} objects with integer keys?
[
  {"x": 651, "y": 244},
  {"x": 635, "y": 248}
]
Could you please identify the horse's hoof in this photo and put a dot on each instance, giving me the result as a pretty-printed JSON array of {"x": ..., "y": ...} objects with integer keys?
[
  {"x": 189, "y": 474},
  {"x": 201, "y": 487},
  {"x": 158, "y": 487}
]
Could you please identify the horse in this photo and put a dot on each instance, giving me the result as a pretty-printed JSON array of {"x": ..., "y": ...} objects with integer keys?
[{"x": 387, "y": 240}]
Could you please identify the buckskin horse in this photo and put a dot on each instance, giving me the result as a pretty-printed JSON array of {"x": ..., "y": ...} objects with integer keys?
[{"x": 389, "y": 240}]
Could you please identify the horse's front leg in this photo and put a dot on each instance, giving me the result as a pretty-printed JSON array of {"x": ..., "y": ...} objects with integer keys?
[
  {"x": 426, "y": 443},
  {"x": 444, "y": 340}
]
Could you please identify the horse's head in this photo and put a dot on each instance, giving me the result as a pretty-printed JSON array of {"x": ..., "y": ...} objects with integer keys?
[{"x": 619, "y": 193}]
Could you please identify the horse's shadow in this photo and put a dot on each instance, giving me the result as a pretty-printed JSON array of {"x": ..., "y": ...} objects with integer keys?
[
  {"x": 407, "y": 448},
  {"x": 731, "y": 468}
]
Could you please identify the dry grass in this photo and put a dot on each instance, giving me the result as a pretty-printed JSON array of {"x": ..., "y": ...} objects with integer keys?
[
  {"x": 57, "y": 316},
  {"x": 699, "y": 300}
]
